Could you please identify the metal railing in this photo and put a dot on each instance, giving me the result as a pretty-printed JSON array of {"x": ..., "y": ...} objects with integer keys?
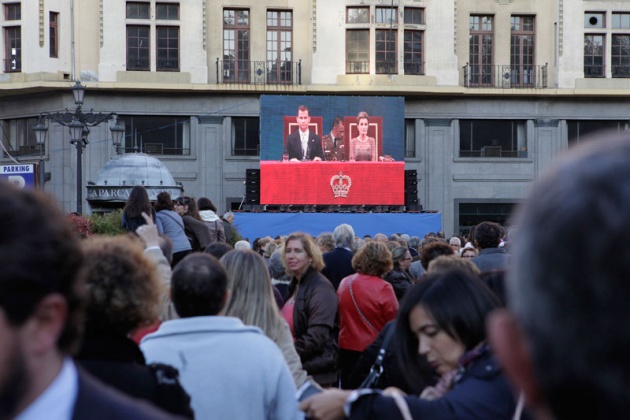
[
  {"x": 357, "y": 67},
  {"x": 413, "y": 68},
  {"x": 139, "y": 64},
  {"x": 26, "y": 150},
  {"x": 594, "y": 70},
  {"x": 167, "y": 64},
  {"x": 151, "y": 149},
  {"x": 620, "y": 70},
  {"x": 505, "y": 76},
  {"x": 386, "y": 67},
  {"x": 272, "y": 72}
]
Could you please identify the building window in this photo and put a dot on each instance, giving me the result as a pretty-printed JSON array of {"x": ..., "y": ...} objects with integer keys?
[
  {"x": 140, "y": 35},
  {"x": 522, "y": 41},
  {"x": 138, "y": 10},
  {"x": 53, "y": 34},
  {"x": 594, "y": 55},
  {"x": 481, "y": 50},
  {"x": 621, "y": 20},
  {"x": 410, "y": 138},
  {"x": 13, "y": 11},
  {"x": 413, "y": 52},
  {"x": 384, "y": 31},
  {"x": 578, "y": 129},
  {"x": 18, "y": 137},
  {"x": 245, "y": 136},
  {"x": 138, "y": 45},
  {"x": 13, "y": 49},
  {"x": 167, "y": 48},
  {"x": 167, "y": 11},
  {"x": 236, "y": 45},
  {"x": 358, "y": 15},
  {"x": 386, "y": 51},
  {"x": 279, "y": 46},
  {"x": 358, "y": 51},
  {"x": 471, "y": 214},
  {"x": 386, "y": 15},
  {"x": 620, "y": 56},
  {"x": 414, "y": 16},
  {"x": 156, "y": 135},
  {"x": 492, "y": 138}
]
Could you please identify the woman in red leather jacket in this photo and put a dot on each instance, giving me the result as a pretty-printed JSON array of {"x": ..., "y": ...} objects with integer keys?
[{"x": 366, "y": 304}]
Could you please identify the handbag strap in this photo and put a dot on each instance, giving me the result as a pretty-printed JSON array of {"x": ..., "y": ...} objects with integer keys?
[
  {"x": 357, "y": 306},
  {"x": 180, "y": 224},
  {"x": 377, "y": 367},
  {"x": 402, "y": 405}
]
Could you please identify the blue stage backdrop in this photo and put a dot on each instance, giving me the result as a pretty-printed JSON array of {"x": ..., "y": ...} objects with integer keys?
[{"x": 258, "y": 225}]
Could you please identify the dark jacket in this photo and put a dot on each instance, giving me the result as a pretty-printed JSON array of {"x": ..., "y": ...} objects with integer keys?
[
  {"x": 197, "y": 233},
  {"x": 492, "y": 259},
  {"x": 118, "y": 362},
  {"x": 481, "y": 393},
  {"x": 294, "y": 146},
  {"x": 96, "y": 401},
  {"x": 338, "y": 265},
  {"x": 227, "y": 229},
  {"x": 400, "y": 281},
  {"x": 130, "y": 224},
  {"x": 314, "y": 317}
]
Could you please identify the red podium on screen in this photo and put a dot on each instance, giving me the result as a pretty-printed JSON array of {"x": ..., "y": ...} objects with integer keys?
[{"x": 332, "y": 183}]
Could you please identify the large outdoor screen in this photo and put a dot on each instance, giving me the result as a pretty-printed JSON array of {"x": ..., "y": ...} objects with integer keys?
[{"x": 332, "y": 150}]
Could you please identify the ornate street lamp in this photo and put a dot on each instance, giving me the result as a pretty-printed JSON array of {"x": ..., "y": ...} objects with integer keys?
[{"x": 79, "y": 124}]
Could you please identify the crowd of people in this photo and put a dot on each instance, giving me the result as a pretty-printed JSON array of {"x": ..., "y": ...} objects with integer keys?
[{"x": 330, "y": 327}]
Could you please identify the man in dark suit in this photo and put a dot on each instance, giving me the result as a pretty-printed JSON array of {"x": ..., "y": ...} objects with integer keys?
[
  {"x": 339, "y": 260},
  {"x": 303, "y": 144},
  {"x": 41, "y": 316}
]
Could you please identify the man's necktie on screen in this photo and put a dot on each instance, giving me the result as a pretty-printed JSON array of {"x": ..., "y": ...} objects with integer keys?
[{"x": 335, "y": 142}]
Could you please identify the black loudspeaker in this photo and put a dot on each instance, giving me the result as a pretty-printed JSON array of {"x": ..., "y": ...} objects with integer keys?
[
  {"x": 252, "y": 186},
  {"x": 411, "y": 189}
]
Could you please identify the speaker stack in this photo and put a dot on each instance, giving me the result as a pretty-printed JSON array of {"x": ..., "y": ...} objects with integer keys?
[
  {"x": 252, "y": 186},
  {"x": 411, "y": 190}
]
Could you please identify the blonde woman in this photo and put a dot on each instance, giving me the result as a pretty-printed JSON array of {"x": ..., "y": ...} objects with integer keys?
[
  {"x": 252, "y": 301},
  {"x": 311, "y": 308}
]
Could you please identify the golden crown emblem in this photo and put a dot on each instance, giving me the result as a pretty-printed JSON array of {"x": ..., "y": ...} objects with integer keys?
[{"x": 340, "y": 185}]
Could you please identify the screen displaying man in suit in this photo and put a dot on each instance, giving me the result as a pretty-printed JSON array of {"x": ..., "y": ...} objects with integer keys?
[{"x": 304, "y": 144}]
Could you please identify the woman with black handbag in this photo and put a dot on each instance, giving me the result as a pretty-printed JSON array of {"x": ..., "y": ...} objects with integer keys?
[{"x": 366, "y": 304}]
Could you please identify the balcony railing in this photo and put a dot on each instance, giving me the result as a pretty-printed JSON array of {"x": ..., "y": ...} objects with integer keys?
[
  {"x": 155, "y": 149},
  {"x": 139, "y": 64},
  {"x": 414, "y": 68},
  {"x": 594, "y": 70},
  {"x": 505, "y": 76},
  {"x": 26, "y": 150},
  {"x": 273, "y": 72},
  {"x": 620, "y": 70},
  {"x": 386, "y": 67},
  {"x": 357, "y": 67},
  {"x": 167, "y": 64}
]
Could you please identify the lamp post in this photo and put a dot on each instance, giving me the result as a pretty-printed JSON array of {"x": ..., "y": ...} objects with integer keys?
[{"x": 78, "y": 123}]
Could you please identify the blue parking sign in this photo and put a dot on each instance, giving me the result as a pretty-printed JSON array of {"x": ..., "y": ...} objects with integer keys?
[{"x": 21, "y": 175}]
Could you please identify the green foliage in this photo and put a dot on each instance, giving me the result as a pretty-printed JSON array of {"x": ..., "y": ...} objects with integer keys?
[{"x": 109, "y": 224}]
